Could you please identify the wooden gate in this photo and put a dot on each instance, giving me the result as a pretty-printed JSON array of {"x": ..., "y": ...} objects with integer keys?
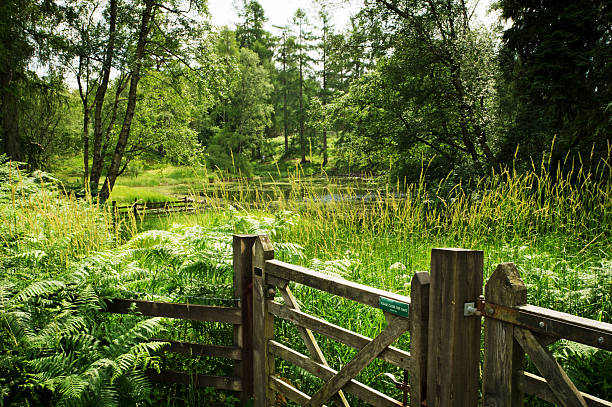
[
  {"x": 444, "y": 316},
  {"x": 402, "y": 314}
]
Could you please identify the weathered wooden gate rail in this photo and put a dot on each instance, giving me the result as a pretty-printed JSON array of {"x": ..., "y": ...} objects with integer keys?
[{"x": 442, "y": 316}]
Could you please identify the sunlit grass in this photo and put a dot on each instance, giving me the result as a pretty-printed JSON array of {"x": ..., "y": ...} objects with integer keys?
[{"x": 555, "y": 225}]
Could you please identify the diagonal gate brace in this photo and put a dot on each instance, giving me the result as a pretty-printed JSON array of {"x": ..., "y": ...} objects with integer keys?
[
  {"x": 395, "y": 328},
  {"x": 309, "y": 339}
]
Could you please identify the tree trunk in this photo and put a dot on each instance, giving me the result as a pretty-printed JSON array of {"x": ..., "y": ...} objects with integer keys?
[
  {"x": 98, "y": 155},
  {"x": 285, "y": 130},
  {"x": 302, "y": 139},
  {"x": 10, "y": 115},
  {"x": 324, "y": 148},
  {"x": 122, "y": 140},
  {"x": 324, "y": 91},
  {"x": 466, "y": 137},
  {"x": 85, "y": 144}
]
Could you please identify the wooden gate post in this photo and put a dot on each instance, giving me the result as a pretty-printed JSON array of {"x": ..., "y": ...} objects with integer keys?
[
  {"x": 453, "y": 357},
  {"x": 419, "y": 317},
  {"x": 263, "y": 324},
  {"x": 503, "y": 354},
  {"x": 243, "y": 334}
]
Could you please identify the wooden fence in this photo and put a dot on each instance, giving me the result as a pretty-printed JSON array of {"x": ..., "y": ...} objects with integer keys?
[
  {"x": 444, "y": 318},
  {"x": 140, "y": 207},
  {"x": 240, "y": 316}
]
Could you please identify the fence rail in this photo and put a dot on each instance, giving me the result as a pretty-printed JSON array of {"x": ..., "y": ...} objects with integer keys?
[
  {"x": 443, "y": 316},
  {"x": 137, "y": 208}
]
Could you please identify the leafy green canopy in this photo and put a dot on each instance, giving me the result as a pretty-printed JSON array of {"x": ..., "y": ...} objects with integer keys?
[{"x": 556, "y": 61}]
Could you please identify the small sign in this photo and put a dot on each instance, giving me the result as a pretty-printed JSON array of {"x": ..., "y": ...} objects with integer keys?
[{"x": 393, "y": 307}]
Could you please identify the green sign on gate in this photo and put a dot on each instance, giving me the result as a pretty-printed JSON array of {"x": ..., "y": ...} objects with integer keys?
[{"x": 393, "y": 307}]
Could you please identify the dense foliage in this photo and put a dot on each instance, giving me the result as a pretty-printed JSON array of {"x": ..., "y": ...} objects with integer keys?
[
  {"x": 488, "y": 137},
  {"x": 401, "y": 84}
]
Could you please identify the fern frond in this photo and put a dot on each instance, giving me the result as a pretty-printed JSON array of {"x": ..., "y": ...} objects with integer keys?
[{"x": 37, "y": 289}]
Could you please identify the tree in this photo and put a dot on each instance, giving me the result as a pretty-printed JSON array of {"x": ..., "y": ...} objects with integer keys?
[
  {"x": 49, "y": 123},
  {"x": 243, "y": 109},
  {"x": 251, "y": 33},
  {"x": 131, "y": 38},
  {"x": 324, "y": 47},
  {"x": 286, "y": 57},
  {"x": 162, "y": 120},
  {"x": 437, "y": 82},
  {"x": 556, "y": 59},
  {"x": 304, "y": 45},
  {"x": 26, "y": 33}
]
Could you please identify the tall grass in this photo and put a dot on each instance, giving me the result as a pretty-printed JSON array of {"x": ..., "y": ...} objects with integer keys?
[{"x": 555, "y": 225}]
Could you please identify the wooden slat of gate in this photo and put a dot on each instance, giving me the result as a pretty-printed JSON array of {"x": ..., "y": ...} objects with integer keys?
[
  {"x": 395, "y": 356},
  {"x": 288, "y": 391},
  {"x": 309, "y": 339},
  {"x": 561, "y": 385},
  {"x": 196, "y": 379},
  {"x": 365, "y": 393},
  {"x": 347, "y": 289},
  {"x": 194, "y": 312},
  {"x": 196, "y": 349},
  {"x": 396, "y": 326}
]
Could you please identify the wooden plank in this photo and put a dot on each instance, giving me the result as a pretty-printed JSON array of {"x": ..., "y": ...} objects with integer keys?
[
  {"x": 395, "y": 356},
  {"x": 196, "y": 349},
  {"x": 396, "y": 326},
  {"x": 337, "y": 286},
  {"x": 288, "y": 391},
  {"x": 263, "y": 324},
  {"x": 206, "y": 313},
  {"x": 537, "y": 386},
  {"x": 555, "y": 324},
  {"x": 453, "y": 349},
  {"x": 503, "y": 355},
  {"x": 309, "y": 340},
  {"x": 558, "y": 381},
  {"x": 588, "y": 331},
  {"x": 196, "y": 379},
  {"x": 419, "y": 309},
  {"x": 360, "y": 390},
  {"x": 243, "y": 288}
]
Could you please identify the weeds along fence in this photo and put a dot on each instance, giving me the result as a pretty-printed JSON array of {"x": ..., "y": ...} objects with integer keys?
[{"x": 444, "y": 317}]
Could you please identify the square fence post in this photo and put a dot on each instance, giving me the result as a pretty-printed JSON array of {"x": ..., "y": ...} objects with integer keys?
[
  {"x": 243, "y": 290},
  {"x": 503, "y": 354},
  {"x": 263, "y": 324},
  {"x": 453, "y": 365},
  {"x": 419, "y": 317}
]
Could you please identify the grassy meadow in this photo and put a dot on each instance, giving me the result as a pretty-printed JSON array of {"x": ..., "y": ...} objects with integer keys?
[{"x": 64, "y": 254}]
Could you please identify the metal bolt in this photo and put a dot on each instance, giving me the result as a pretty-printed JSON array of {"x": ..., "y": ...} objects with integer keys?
[
  {"x": 271, "y": 291},
  {"x": 600, "y": 339},
  {"x": 542, "y": 324},
  {"x": 490, "y": 311}
]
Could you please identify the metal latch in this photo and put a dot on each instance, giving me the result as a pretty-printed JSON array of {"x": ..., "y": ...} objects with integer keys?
[
  {"x": 474, "y": 308},
  {"x": 404, "y": 386}
]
